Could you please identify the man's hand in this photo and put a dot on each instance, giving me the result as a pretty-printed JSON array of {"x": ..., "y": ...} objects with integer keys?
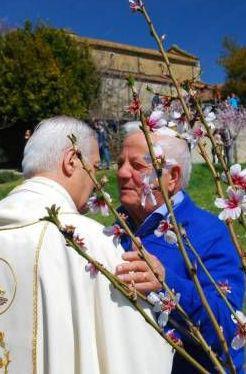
[{"x": 136, "y": 271}]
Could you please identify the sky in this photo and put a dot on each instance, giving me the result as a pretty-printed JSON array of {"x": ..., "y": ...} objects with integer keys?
[{"x": 197, "y": 26}]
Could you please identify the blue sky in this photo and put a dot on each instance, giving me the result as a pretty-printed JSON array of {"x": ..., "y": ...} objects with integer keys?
[{"x": 197, "y": 26}]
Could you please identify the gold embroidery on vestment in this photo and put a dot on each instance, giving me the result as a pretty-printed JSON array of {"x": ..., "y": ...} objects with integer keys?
[
  {"x": 4, "y": 300},
  {"x": 35, "y": 300},
  {"x": 4, "y": 354}
]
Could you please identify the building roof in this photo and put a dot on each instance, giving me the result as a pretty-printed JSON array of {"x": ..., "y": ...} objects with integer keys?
[
  {"x": 174, "y": 53},
  {"x": 181, "y": 52}
]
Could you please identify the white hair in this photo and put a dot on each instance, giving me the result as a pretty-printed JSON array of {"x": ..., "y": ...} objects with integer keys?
[
  {"x": 44, "y": 149},
  {"x": 174, "y": 149}
]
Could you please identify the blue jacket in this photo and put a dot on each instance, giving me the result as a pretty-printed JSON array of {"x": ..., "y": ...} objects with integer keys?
[{"x": 212, "y": 241}]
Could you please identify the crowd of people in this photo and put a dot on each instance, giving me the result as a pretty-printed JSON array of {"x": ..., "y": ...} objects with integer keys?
[{"x": 224, "y": 136}]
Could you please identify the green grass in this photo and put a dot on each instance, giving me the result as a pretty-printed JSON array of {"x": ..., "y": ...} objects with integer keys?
[
  {"x": 201, "y": 189},
  {"x": 5, "y": 188},
  {"x": 112, "y": 189},
  {"x": 9, "y": 176}
]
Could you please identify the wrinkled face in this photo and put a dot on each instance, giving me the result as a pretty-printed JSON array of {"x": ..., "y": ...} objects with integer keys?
[{"x": 131, "y": 165}]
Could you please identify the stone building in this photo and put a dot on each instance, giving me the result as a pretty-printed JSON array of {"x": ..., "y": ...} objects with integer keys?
[{"x": 117, "y": 61}]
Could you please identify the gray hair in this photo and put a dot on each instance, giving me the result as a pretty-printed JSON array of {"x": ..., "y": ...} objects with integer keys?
[
  {"x": 174, "y": 149},
  {"x": 44, "y": 149}
]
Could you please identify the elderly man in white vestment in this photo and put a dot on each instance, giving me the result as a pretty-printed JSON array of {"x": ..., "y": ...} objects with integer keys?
[{"x": 54, "y": 318}]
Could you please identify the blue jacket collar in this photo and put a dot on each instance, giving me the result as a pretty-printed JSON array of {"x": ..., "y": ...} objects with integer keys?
[{"x": 181, "y": 200}]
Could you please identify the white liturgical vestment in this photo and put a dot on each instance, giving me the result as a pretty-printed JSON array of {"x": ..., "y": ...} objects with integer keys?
[{"x": 54, "y": 317}]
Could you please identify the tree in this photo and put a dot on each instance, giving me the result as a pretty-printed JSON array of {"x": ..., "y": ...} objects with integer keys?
[
  {"x": 43, "y": 72},
  {"x": 4, "y": 26},
  {"x": 233, "y": 60}
]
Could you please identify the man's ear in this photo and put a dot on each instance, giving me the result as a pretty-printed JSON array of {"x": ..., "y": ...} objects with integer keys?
[
  {"x": 69, "y": 162},
  {"x": 174, "y": 182}
]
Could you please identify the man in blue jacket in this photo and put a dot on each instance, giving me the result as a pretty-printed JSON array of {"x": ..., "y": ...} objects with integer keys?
[{"x": 145, "y": 209}]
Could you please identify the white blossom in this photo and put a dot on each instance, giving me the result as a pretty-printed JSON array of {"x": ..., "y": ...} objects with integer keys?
[
  {"x": 239, "y": 339},
  {"x": 147, "y": 194},
  {"x": 97, "y": 204},
  {"x": 233, "y": 206},
  {"x": 165, "y": 229}
]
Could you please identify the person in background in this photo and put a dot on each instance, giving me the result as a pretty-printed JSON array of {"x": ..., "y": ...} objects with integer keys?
[
  {"x": 234, "y": 101},
  {"x": 103, "y": 143},
  {"x": 156, "y": 101},
  {"x": 219, "y": 144},
  {"x": 27, "y": 135},
  {"x": 228, "y": 143}
]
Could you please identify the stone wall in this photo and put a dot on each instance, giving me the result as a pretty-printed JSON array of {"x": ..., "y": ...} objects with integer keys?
[
  {"x": 239, "y": 149},
  {"x": 117, "y": 96},
  {"x": 116, "y": 62}
]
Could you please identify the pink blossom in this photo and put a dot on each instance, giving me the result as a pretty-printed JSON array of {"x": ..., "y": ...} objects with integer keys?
[
  {"x": 165, "y": 229},
  {"x": 175, "y": 339},
  {"x": 239, "y": 339},
  {"x": 91, "y": 268},
  {"x": 116, "y": 231},
  {"x": 193, "y": 136},
  {"x": 158, "y": 152},
  {"x": 136, "y": 5},
  {"x": 147, "y": 194},
  {"x": 166, "y": 102},
  {"x": 156, "y": 120},
  {"x": 168, "y": 304},
  {"x": 97, "y": 204},
  {"x": 79, "y": 241},
  {"x": 233, "y": 206},
  {"x": 134, "y": 106},
  {"x": 69, "y": 232},
  {"x": 224, "y": 287},
  {"x": 238, "y": 176},
  {"x": 163, "y": 304},
  {"x": 198, "y": 132}
]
